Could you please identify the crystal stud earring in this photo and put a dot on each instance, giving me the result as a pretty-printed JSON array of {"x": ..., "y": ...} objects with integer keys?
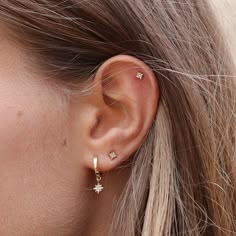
[
  {"x": 139, "y": 75},
  {"x": 112, "y": 155}
]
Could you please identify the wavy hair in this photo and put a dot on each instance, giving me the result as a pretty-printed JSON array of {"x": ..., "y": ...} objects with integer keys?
[{"x": 183, "y": 176}]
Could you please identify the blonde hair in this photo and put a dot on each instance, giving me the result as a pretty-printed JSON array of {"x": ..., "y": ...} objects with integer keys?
[{"x": 183, "y": 175}]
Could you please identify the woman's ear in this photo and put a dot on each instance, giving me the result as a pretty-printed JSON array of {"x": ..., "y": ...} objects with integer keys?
[{"x": 118, "y": 111}]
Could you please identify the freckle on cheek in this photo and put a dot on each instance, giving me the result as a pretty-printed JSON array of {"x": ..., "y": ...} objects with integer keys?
[
  {"x": 20, "y": 113},
  {"x": 64, "y": 142}
]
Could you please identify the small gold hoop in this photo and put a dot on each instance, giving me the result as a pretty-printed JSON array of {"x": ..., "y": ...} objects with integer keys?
[
  {"x": 95, "y": 164},
  {"x": 98, "y": 187}
]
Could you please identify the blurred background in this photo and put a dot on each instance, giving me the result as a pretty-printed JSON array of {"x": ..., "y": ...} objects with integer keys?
[{"x": 226, "y": 10}]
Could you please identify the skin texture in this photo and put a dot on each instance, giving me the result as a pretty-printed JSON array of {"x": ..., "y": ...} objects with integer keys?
[{"x": 47, "y": 145}]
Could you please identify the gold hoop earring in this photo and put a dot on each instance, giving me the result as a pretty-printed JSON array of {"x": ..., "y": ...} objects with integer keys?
[{"x": 98, "y": 187}]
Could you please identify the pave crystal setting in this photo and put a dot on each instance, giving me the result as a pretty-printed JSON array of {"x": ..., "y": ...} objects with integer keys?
[
  {"x": 139, "y": 75},
  {"x": 98, "y": 188},
  {"x": 112, "y": 155}
]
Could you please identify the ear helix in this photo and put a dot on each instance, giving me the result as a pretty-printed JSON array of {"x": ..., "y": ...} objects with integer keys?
[{"x": 112, "y": 155}]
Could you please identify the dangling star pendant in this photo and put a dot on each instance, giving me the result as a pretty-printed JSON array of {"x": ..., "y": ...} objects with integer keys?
[{"x": 98, "y": 188}]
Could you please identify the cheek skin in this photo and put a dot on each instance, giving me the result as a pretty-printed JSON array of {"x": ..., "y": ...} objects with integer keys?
[
  {"x": 41, "y": 187},
  {"x": 28, "y": 145},
  {"x": 39, "y": 190},
  {"x": 16, "y": 121},
  {"x": 38, "y": 185}
]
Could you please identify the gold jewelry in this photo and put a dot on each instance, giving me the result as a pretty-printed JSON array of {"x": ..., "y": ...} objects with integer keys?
[
  {"x": 98, "y": 187},
  {"x": 139, "y": 75},
  {"x": 112, "y": 155}
]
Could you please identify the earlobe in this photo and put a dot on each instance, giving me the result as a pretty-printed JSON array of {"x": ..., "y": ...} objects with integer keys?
[
  {"x": 131, "y": 88},
  {"x": 112, "y": 155}
]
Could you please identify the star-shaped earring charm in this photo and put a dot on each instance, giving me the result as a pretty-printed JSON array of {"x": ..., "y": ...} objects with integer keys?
[{"x": 98, "y": 188}]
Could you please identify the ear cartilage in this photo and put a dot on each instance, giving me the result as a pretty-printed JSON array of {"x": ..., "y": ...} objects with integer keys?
[
  {"x": 139, "y": 75},
  {"x": 112, "y": 155}
]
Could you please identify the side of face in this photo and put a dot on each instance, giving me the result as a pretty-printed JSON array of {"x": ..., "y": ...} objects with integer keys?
[
  {"x": 48, "y": 141},
  {"x": 36, "y": 175}
]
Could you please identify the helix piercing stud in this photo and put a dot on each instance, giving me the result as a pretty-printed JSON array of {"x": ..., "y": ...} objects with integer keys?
[{"x": 139, "y": 75}]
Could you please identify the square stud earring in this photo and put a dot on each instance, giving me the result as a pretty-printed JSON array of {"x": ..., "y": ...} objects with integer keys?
[
  {"x": 112, "y": 155},
  {"x": 139, "y": 75}
]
